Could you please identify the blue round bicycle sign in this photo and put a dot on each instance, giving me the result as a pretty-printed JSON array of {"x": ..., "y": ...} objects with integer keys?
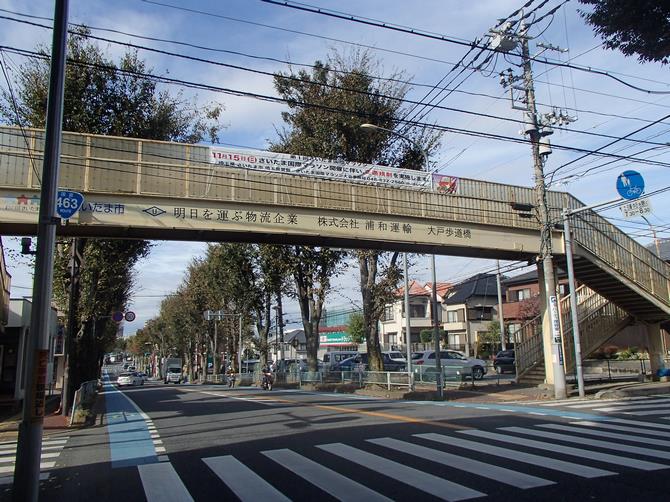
[
  {"x": 68, "y": 203},
  {"x": 630, "y": 185}
]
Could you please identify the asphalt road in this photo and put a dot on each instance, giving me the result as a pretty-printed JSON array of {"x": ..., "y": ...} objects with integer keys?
[{"x": 190, "y": 442}]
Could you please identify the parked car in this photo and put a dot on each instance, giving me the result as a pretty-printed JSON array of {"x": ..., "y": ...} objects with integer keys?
[
  {"x": 335, "y": 356},
  {"x": 451, "y": 358},
  {"x": 504, "y": 361},
  {"x": 129, "y": 378},
  {"x": 390, "y": 364},
  {"x": 349, "y": 364},
  {"x": 397, "y": 356}
]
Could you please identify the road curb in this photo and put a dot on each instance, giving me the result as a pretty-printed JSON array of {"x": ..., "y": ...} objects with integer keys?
[{"x": 633, "y": 390}]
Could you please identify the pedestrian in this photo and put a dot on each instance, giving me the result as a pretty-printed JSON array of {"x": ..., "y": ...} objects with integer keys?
[{"x": 231, "y": 378}]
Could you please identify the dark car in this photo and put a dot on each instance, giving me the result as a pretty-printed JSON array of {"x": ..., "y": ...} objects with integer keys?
[
  {"x": 390, "y": 364},
  {"x": 504, "y": 361}
]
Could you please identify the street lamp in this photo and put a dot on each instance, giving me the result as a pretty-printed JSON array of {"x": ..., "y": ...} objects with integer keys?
[
  {"x": 567, "y": 238},
  {"x": 436, "y": 333}
]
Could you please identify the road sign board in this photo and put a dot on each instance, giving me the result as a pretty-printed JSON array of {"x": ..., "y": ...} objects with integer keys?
[
  {"x": 630, "y": 185},
  {"x": 635, "y": 208},
  {"x": 130, "y": 316},
  {"x": 117, "y": 316},
  {"x": 68, "y": 203}
]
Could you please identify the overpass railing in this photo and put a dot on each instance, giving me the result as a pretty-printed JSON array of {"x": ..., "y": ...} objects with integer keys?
[{"x": 105, "y": 164}]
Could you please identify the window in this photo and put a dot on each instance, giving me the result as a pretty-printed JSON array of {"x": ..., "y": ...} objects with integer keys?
[
  {"x": 523, "y": 294},
  {"x": 455, "y": 315},
  {"x": 388, "y": 313},
  {"x": 480, "y": 314},
  {"x": 417, "y": 310},
  {"x": 391, "y": 338}
]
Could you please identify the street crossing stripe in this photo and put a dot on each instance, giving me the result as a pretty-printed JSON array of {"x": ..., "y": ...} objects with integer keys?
[
  {"x": 607, "y": 425},
  {"x": 636, "y": 407},
  {"x": 423, "y": 481},
  {"x": 331, "y": 482},
  {"x": 645, "y": 413},
  {"x": 8, "y": 469},
  {"x": 507, "y": 476},
  {"x": 613, "y": 435},
  {"x": 607, "y": 445},
  {"x": 639, "y": 423},
  {"x": 590, "y": 403},
  {"x": 568, "y": 450},
  {"x": 583, "y": 471},
  {"x": 13, "y": 458},
  {"x": 161, "y": 483},
  {"x": 245, "y": 483}
]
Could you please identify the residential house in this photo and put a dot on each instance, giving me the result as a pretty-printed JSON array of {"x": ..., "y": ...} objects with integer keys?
[
  {"x": 522, "y": 296},
  {"x": 468, "y": 309},
  {"x": 392, "y": 324}
]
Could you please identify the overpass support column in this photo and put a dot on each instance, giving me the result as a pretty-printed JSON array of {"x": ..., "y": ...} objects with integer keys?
[
  {"x": 655, "y": 345},
  {"x": 546, "y": 329}
]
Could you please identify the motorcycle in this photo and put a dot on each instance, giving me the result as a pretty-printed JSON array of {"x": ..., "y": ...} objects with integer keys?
[{"x": 267, "y": 381}]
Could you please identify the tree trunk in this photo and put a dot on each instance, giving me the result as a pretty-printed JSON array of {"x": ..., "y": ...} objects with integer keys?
[{"x": 367, "y": 264}]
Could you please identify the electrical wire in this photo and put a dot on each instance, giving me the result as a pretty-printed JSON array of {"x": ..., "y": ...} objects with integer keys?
[
  {"x": 274, "y": 99},
  {"x": 444, "y": 38},
  {"x": 404, "y": 82}
]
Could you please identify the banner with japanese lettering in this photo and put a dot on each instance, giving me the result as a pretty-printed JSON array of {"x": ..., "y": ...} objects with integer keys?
[{"x": 332, "y": 169}]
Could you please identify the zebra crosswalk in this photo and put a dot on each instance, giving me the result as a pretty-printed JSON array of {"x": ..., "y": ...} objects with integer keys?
[
  {"x": 51, "y": 450},
  {"x": 657, "y": 406},
  {"x": 454, "y": 465}
]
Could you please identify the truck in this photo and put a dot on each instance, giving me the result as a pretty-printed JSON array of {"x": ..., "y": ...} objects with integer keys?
[{"x": 172, "y": 370}]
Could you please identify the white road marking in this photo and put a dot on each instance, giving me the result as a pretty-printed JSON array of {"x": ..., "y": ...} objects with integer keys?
[
  {"x": 583, "y": 471},
  {"x": 331, "y": 482},
  {"x": 423, "y": 481},
  {"x": 613, "y": 435},
  {"x": 640, "y": 423},
  {"x": 568, "y": 450},
  {"x": 490, "y": 471},
  {"x": 607, "y": 445},
  {"x": 161, "y": 483},
  {"x": 244, "y": 482},
  {"x": 636, "y": 407}
]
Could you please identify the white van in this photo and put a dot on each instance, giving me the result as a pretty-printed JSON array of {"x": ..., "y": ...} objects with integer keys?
[{"x": 335, "y": 356}]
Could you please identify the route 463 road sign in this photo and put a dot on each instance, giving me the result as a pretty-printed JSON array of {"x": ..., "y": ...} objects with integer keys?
[
  {"x": 635, "y": 208},
  {"x": 68, "y": 203}
]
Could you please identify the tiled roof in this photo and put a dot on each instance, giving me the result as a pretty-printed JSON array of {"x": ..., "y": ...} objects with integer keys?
[
  {"x": 415, "y": 289},
  {"x": 477, "y": 285}
]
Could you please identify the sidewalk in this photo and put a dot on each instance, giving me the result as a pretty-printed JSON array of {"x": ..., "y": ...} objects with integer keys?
[
  {"x": 509, "y": 391},
  {"x": 54, "y": 422}
]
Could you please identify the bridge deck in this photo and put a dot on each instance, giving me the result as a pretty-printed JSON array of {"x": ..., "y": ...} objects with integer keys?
[{"x": 159, "y": 190}]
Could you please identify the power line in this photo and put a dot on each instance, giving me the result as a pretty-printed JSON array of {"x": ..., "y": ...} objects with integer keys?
[
  {"x": 444, "y": 38},
  {"x": 275, "y": 99},
  {"x": 290, "y": 63}
]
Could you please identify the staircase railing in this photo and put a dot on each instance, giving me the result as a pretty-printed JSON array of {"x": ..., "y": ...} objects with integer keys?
[
  {"x": 622, "y": 254},
  {"x": 599, "y": 320},
  {"x": 528, "y": 348}
]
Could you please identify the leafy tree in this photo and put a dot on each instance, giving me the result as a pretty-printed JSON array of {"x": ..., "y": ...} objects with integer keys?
[
  {"x": 103, "y": 97},
  {"x": 635, "y": 27},
  {"x": 347, "y": 94},
  {"x": 356, "y": 327},
  {"x": 426, "y": 335},
  {"x": 312, "y": 269}
]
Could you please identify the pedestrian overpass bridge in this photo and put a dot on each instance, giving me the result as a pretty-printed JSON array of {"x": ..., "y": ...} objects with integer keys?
[{"x": 170, "y": 191}]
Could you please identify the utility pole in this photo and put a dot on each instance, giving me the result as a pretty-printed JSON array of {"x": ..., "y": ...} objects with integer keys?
[
  {"x": 501, "y": 317},
  {"x": 29, "y": 448},
  {"x": 537, "y": 130},
  {"x": 72, "y": 316}
]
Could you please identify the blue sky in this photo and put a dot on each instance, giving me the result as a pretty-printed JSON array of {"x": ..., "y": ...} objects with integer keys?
[{"x": 601, "y": 105}]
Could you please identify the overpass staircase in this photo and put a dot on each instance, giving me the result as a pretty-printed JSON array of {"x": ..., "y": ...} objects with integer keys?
[{"x": 599, "y": 320}]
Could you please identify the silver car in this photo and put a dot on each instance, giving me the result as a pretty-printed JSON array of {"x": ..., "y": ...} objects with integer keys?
[
  {"x": 129, "y": 378},
  {"x": 451, "y": 358}
]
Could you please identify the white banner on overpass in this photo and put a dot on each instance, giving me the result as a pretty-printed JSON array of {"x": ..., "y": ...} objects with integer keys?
[{"x": 332, "y": 169}]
